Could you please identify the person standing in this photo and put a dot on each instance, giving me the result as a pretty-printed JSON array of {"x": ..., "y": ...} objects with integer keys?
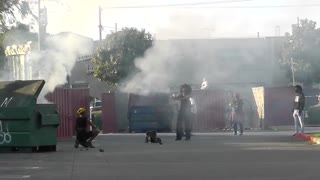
[
  {"x": 237, "y": 116},
  {"x": 184, "y": 114},
  {"x": 298, "y": 107}
]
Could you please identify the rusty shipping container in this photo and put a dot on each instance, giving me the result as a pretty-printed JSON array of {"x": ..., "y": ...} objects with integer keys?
[
  {"x": 121, "y": 106},
  {"x": 211, "y": 109},
  {"x": 68, "y": 101},
  {"x": 279, "y": 103},
  {"x": 109, "y": 117},
  {"x": 278, "y": 106}
]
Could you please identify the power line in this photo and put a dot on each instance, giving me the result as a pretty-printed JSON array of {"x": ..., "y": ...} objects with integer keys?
[
  {"x": 223, "y": 7},
  {"x": 256, "y": 7},
  {"x": 176, "y": 5}
]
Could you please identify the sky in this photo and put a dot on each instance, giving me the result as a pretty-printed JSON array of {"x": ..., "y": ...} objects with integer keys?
[{"x": 167, "y": 19}]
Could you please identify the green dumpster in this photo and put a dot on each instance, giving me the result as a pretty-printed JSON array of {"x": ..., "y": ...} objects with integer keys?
[{"x": 26, "y": 126}]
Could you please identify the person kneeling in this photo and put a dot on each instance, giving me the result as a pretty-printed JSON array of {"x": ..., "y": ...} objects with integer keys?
[{"x": 84, "y": 137}]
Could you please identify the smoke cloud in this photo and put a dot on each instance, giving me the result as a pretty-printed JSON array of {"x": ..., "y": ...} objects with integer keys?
[
  {"x": 170, "y": 63},
  {"x": 55, "y": 63},
  {"x": 56, "y": 60}
]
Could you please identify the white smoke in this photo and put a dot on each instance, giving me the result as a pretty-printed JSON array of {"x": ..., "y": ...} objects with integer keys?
[
  {"x": 170, "y": 63},
  {"x": 57, "y": 60}
]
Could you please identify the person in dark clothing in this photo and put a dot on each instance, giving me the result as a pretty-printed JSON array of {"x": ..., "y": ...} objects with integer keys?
[
  {"x": 151, "y": 136},
  {"x": 84, "y": 135},
  {"x": 298, "y": 107},
  {"x": 184, "y": 114},
  {"x": 237, "y": 115}
]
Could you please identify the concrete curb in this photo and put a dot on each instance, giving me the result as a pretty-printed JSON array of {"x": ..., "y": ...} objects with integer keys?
[{"x": 308, "y": 137}]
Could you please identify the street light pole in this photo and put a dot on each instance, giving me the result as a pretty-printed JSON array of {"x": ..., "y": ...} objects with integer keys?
[
  {"x": 39, "y": 27},
  {"x": 292, "y": 69},
  {"x": 100, "y": 25}
]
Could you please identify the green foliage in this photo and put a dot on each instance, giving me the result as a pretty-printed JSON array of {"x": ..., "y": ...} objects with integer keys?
[
  {"x": 303, "y": 47},
  {"x": 9, "y": 9},
  {"x": 114, "y": 60},
  {"x": 19, "y": 34}
]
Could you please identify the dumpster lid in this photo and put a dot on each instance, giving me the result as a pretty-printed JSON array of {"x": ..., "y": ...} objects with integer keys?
[{"x": 24, "y": 90}]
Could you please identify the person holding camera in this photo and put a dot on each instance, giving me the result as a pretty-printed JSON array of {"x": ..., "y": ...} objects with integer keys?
[{"x": 184, "y": 114}]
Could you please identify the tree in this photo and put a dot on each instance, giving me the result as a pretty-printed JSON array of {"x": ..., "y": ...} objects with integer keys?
[
  {"x": 19, "y": 34},
  {"x": 302, "y": 46},
  {"x": 114, "y": 60},
  {"x": 9, "y": 9}
]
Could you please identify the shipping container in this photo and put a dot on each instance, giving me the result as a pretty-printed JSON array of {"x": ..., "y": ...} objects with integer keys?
[
  {"x": 68, "y": 101},
  {"x": 121, "y": 105},
  {"x": 278, "y": 106},
  {"x": 211, "y": 110},
  {"x": 311, "y": 117},
  {"x": 109, "y": 118}
]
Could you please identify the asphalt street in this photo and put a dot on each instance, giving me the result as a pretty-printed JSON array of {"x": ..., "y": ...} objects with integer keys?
[{"x": 254, "y": 156}]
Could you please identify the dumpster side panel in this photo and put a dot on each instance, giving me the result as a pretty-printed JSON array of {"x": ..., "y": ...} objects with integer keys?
[
  {"x": 121, "y": 101},
  {"x": 68, "y": 101},
  {"x": 109, "y": 113},
  {"x": 149, "y": 112},
  {"x": 159, "y": 99}
]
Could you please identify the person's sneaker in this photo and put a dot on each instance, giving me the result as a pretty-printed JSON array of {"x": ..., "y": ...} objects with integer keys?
[
  {"x": 240, "y": 134},
  {"x": 90, "y": 145},
  {"x": 294, "y": 134},
  {"x": 84, "y": 144},
  {"x": 178, "y": 139},
  {"x": 76, "y": 144}
]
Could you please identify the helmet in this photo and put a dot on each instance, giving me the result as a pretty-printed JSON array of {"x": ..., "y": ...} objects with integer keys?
[{"x": 81, "y": 110}]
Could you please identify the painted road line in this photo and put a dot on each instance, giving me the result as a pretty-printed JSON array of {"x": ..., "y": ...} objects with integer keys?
[
  {"x": 15, "y": 177},
  {"x": 19, "y": 168},
  {"x": 35, "y": 167}
]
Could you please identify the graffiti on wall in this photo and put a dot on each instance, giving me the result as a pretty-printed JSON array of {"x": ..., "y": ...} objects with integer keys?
[{"x": 5, "y": 136}]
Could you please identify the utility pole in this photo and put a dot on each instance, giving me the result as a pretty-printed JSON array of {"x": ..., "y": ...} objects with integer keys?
[
  {"x": 39, "y": 27},
  {"x": 292, "y": 69},
  {"x": 100, "y": 25},
  {"x": 277, "y": 31},
  {"x": 116, "y": 27}
]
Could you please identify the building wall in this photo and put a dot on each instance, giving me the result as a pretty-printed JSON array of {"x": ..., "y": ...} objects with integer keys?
[{"x": 80, "y": 74}]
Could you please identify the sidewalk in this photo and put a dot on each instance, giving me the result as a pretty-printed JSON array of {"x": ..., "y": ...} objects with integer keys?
[{"x": 308, "y": 137}]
